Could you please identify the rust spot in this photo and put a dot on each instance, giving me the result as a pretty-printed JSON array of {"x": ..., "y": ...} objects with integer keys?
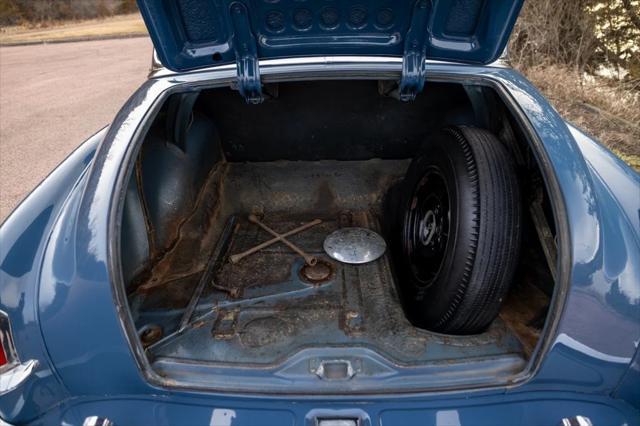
[
  {"x": 263, "y": 269},
  {"x": 523, "y": 304},
  {"x": 172, "y": 272},
  {"x": 264, "y": 331},
  {"x": 322, "y": 271},
  {"x": 345, "y": 219},
  {"x": 199, "y": 324},
  {"x": 233, "y": 292},
  {"x": 224, "y": 327},
  {"x": 149, "y": 334}
]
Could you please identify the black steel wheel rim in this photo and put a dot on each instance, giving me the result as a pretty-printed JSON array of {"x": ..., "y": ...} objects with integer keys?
[{"x": 426, "y": 228}]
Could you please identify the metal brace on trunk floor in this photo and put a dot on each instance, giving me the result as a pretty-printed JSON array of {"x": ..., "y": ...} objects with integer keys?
[
  {"x": 415, "y": 53},
  {"x": 246, "y": 50}
]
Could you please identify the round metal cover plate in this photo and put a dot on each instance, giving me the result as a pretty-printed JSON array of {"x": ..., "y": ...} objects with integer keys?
[{"x": 354, "y": 245}]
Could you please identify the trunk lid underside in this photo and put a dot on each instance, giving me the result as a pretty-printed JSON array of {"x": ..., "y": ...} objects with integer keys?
[{"x": 191, "y": 34}]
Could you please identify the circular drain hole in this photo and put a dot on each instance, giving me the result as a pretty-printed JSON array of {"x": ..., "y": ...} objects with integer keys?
[
  {"x": 320, "y": 272},
  {"x": 265, "y": 331},
  {"x": 149, "y": 334}
]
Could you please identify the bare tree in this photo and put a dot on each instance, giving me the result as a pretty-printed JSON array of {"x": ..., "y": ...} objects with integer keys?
[{"x": 632, "y": 12}]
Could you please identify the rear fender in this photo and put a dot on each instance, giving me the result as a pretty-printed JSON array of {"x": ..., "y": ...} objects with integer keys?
[{"x": 24, "y": 236}]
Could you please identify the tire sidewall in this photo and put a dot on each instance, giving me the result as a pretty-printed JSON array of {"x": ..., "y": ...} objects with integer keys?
[{"x": 436, "y": 302}]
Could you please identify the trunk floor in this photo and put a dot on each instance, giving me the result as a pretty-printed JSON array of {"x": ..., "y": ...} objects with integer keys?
[{"x": 260, "y": 311}]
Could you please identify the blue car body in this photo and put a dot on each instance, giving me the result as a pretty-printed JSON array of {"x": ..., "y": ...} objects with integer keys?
[{"x": 57, "y": 275}]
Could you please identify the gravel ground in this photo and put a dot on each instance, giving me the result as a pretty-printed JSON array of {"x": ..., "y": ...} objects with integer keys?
[{"x": 54, "y": 96}]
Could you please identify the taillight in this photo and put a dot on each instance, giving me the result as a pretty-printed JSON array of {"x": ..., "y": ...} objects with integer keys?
[
  {"x": 3, "y": 356},
  {"x": 7, "y": 351}
]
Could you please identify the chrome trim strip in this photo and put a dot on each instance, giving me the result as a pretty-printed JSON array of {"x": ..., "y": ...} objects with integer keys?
[
  {"x": 10, "y": 380},
  {"x": 576, "y": 421},
  {"x": 12, "y": 374},
  {"x": 97, "y": 421},
  {"x": 394, "y": 63}
]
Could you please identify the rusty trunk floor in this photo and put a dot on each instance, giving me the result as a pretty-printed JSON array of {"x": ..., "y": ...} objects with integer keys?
[{"x": 260, "y": 311}]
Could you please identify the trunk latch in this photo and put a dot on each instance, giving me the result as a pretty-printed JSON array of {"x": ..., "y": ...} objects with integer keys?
[
  {"x": 415, "y": 53},
  {"x": 245, "y": 47}
]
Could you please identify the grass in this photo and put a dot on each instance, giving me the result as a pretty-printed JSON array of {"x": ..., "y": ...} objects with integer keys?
[
  {"x": 605, "y": 109},
  {"x": 116, "y": 26}
]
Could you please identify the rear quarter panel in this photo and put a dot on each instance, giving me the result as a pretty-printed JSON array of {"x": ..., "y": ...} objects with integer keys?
[
  {"x": 594, "y": 333},
  {"x": 23, "y": 240}
]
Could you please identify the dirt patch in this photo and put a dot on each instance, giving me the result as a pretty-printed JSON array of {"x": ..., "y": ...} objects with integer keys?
[
  {"x": 525, "y": 306},
  {"x": 114, "y": 27},
  {"x": 260, "y": 270}
]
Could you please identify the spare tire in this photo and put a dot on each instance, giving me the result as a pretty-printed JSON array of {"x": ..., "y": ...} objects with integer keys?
[{"x": 457, "y": 234}]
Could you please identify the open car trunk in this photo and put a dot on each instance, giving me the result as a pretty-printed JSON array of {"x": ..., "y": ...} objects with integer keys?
[{"x": 328, "y": 150}]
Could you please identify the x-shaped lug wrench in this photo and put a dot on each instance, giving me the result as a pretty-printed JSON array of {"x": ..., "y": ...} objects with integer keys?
[{"x": 310, "y": 260}]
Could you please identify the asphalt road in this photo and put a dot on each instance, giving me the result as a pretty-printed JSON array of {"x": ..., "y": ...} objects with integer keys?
[{"x": 54, "y": 96}]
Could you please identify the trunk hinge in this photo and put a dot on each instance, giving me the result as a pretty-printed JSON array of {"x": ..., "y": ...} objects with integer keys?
[
  {"x": 415, "y": 53},
  {"x": 246, "y": 50}
]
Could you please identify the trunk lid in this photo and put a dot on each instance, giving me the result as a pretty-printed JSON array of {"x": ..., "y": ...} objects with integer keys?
[{"x": 191, "y": 34}]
